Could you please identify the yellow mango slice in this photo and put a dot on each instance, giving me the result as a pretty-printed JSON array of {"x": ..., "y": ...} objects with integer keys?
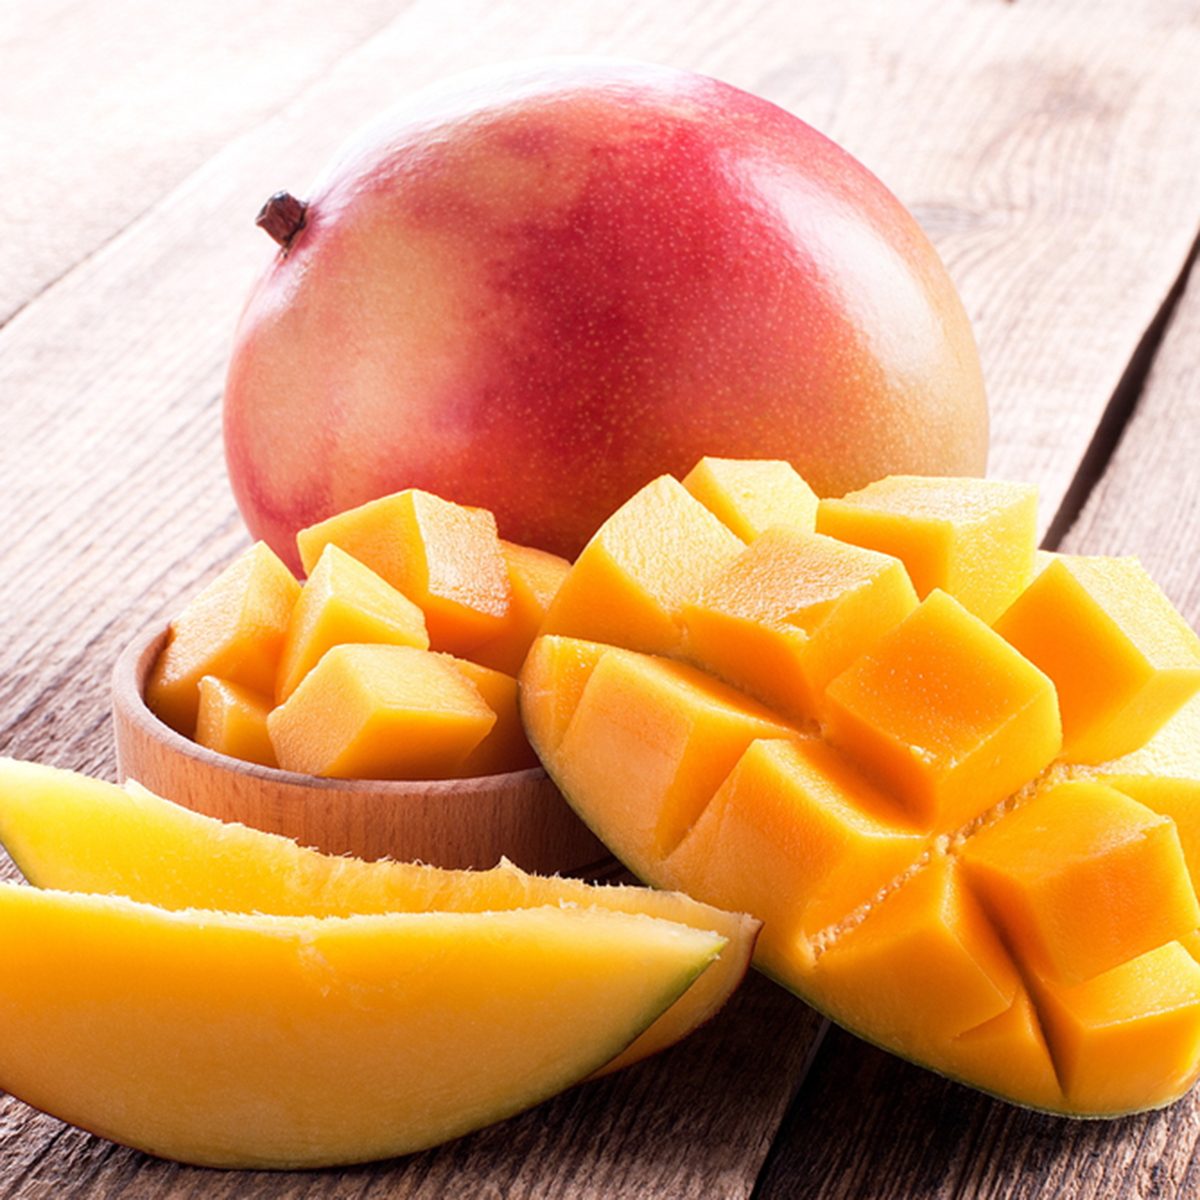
[
  {"x": 1065, "y": 877},
  {"x": 233, "y": 720},
  {"x": 534, "y": 577},
  {"x": 971, "y": 538},
  {"x": 505, "y": 747},
  {"x": 1128, "y": 1039},
  {"x": 444, "y": 557},
  {"x": 71, "y": 832},
  {"x": 660, "y": 737},
  {"x": 233, "y": 629},
  {"x": 798, "y": 838},
  {"x": 751, "y": 496},
  {"x": 344, "y": 601},
  {"x": 1122, "y": 659},
  {"x": 946, "y": 714},
  {"x": 380, "y": 712},
  {"x": 640, "y": 568},
  {"x": 243, "y": 1040},
  {"x": 946, "y": 969},
  {"x": 790, "y": 613},
  {"x": 860, "y": 837}
]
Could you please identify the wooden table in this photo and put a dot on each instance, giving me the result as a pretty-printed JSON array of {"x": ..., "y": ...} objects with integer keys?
[{"x": 1051, "y": 149}]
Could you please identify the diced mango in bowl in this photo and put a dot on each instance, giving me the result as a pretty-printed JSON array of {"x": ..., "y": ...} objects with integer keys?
[
  {"x": 957, "y": 779},
  {"x": 395, "y": 659}
]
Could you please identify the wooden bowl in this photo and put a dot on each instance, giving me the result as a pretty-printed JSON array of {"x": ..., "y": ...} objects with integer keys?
[{"x": 446, "y": 822}]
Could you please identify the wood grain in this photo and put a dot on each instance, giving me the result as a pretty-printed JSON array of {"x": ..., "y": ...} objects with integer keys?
[
  {"x": 104, "y": 108},
  {"x": 1051, "y": 151}
]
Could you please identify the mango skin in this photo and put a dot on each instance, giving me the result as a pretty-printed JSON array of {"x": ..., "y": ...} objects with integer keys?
[{"x": 599, "y": 271}]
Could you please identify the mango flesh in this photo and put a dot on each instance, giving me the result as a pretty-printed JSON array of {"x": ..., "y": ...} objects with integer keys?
[
  {"x": 244, "y": 1040},
  {"x": 242, "y": 649},
  {"x": 232, "y": 720},
  {"x": 74, "y": 833},
  {"x": 934, "y": 866},
  {"x": 233, "y": 629}
]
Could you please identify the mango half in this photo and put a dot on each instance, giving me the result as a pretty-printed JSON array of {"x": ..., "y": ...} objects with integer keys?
[
  {"x": 275, "y": 1007},
  {"x": 957, "y": 780}
]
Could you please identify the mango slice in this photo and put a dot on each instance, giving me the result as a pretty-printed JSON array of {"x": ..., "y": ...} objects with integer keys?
[
  {"x": 71, "y": 832},
  {"x": 751, "y": 496},
  {"x": 790, "y": 613},
  {"x": 233, "y": 629},
  {"x": 344, "y": 601},
  {"x": 444, "y": 557},
  {"x": 534, "y": 577},
  {"x": 233, "y": 720},
  {"x": 1122, "y": 659},
  {"x": 971, "y": 538},
  {"x": 241, "y": 1040},
  {"x": 937, "y": 863},
  {"x": 380, "y": 712}
]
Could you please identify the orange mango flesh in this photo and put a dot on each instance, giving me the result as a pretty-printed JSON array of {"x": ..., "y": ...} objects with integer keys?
[
  {"x": 792, "y": 612},
  {"x": 259, "y": 635},
  {"x": 933, "y": 867},
  {"x": 505, "y": 746},
  {"x": 971, "y": 538},
  {"x": 244, "y": 1040},
  {"x": 380, "y": 712},
  {"x": 233, "y": 629},
  {"x": 751, "y": 496},
  {"x": 946, "y": 713},
  {"x": 344, "y": 601},
  {"x": 644, "y": 562},
  {"x": 70, "y": 832},
  {"x": 444, "y": 557},
  {"x": 534, "y": 578},
  {"x": 233, "y": 720},
  {"x": 1121, "y": 657}
]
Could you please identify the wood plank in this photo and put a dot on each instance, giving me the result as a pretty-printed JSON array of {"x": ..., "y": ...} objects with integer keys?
[
  {"x": 111, "y": 383},
  {"x": 932, "y": 1138},
  {"x": 105, "y": 107}
]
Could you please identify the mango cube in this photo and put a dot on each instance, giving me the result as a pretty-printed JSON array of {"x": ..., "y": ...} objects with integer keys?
[
  {"x": 1129, "y": 1038},
  {"x": 534, "y": 577},
  {"x": 444, "y": 557},
  {"x": 380, "y": 712},
  {"x": 1123, "y": 660},
  {"x": 972, "y": 538},
  {"x": 344, "y": 601},
  {"x": 751, "y": 496},
  {"x": 796, "y": 837},
  {"x": 923, "y": 967},
  {"x": 505, "y": 748},
  {"x": 791, "y": 612},
  {"x": 945, "y": 713},
  {"x": 645, "y": 562},
  {"x": 232, "y": 720},
  {"x": 1082, "y": 878},
  {"x": 660, "y": 737},
  {"x": 233, "y": 629}
]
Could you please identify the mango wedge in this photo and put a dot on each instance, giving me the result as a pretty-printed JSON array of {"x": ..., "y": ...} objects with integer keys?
[
  {"x": 74, "y": 833},
  {"x": 241, "y": 1040},
  {"x": 970, "y": 825}
]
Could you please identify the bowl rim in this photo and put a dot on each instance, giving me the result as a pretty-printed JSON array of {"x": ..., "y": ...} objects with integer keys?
[{"x": 129, "y": 676}]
